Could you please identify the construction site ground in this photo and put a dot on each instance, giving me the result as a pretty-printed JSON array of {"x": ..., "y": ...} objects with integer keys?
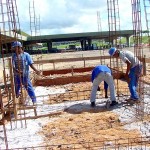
[{"x": 76, "y": 125}]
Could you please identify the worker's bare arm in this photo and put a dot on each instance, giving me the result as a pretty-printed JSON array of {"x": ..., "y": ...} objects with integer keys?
[{"x": 36, "y": 71}]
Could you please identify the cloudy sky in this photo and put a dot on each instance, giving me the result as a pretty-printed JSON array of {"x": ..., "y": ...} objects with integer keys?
[{"x": 71, "y": 16}]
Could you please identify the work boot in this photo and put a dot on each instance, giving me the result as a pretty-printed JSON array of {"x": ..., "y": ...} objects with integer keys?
[
  {"x": 113, "y": 103},
  {"x": 92, "y": 104}
]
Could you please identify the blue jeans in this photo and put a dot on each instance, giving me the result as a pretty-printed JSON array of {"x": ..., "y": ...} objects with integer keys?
[
  {"x": 27, "y": 84},
  {"x": 134, "y": 76}
]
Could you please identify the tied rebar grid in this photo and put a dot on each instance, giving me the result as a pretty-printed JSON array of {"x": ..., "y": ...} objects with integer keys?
[{"x": 118, "y": 144}]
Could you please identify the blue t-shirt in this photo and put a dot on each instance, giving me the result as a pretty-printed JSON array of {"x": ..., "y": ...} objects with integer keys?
[
  {"x": 99, "y": 69},
  {"x": 23, "y": 61}
]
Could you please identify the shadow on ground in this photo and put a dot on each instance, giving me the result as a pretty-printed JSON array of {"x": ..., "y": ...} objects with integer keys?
[{"x": 85, "y": 107}]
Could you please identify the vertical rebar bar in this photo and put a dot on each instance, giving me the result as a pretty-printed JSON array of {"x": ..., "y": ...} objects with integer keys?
[
  {"x": 114, "y": 29},
  {"x": 138, "y": 50}
]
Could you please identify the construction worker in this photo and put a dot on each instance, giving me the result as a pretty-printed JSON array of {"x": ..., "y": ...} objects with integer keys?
[
  {"x": 21, "y": 62},
  {"x": 133, "y": 71},
  {"x": 102, "y": 73}
]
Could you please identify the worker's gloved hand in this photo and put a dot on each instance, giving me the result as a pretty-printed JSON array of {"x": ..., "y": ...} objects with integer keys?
[{"x": 98, "y": 89}]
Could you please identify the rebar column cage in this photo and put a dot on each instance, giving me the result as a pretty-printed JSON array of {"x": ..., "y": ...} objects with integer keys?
[
  {"x": 114, "y": 25},
  {"x": 138, "y": 49}
]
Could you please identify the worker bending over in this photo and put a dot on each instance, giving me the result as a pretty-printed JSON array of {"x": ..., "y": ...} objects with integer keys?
[{"x": 102, "y": 73}]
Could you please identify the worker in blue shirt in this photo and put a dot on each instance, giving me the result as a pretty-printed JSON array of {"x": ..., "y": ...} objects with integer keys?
[
  {"x": 21, "y": 63},
  {"x": 102, "y": 73}
]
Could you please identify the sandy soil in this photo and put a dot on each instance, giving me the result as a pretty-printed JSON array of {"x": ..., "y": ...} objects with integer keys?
[{"x": 87, "y": 127}]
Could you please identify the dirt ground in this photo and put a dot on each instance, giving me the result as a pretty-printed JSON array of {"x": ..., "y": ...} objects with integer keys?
[{"x": 86, "y": 126}]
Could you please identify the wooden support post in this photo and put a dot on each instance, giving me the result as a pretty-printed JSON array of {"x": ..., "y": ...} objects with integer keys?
[
  {"x": 12, "y": 87},
  {"x": 1, "y": 101},
  {"x": 72, "y": 70},
  {"x": 144, "y": 65},
  {"x": 35, "y": 112},
  {"x": 54, "y": 65},
  {"x": 1, "y": 105},
  {"x": 5, "y": 83},
  {"x": 84, "y": 62}
]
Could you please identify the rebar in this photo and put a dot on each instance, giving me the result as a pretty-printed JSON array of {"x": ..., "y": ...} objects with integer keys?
[{"x": 138, "y": 49}]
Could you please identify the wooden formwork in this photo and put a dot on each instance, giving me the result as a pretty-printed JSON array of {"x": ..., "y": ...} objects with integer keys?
[
  {"x": 85, "y": 61},
  {"x": 66, "y": 76}
]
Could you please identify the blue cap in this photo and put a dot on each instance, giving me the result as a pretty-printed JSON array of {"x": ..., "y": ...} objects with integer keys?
[
  {"x": 112, "y": 51},
  {"x": 16, "y": 43}
]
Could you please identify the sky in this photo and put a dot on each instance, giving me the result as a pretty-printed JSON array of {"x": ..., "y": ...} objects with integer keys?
[{"x": 71, "y": 16}]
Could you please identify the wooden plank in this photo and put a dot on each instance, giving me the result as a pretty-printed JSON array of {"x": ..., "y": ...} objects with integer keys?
[
  {"x": 79, "y": 59},
  {"x": 65, "y": 71},
  {"x": 12, "y": 87},
  {"x": 25, "y": 107},
  {"x": 71, "y": 59},
  {"x": 71, "y": 79},
  {"x": 35, "y": 112},
  {"x": 147, "y": 60},
  {"x": 5, "y": 83},
  {"x": 1, "y": 105}
]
